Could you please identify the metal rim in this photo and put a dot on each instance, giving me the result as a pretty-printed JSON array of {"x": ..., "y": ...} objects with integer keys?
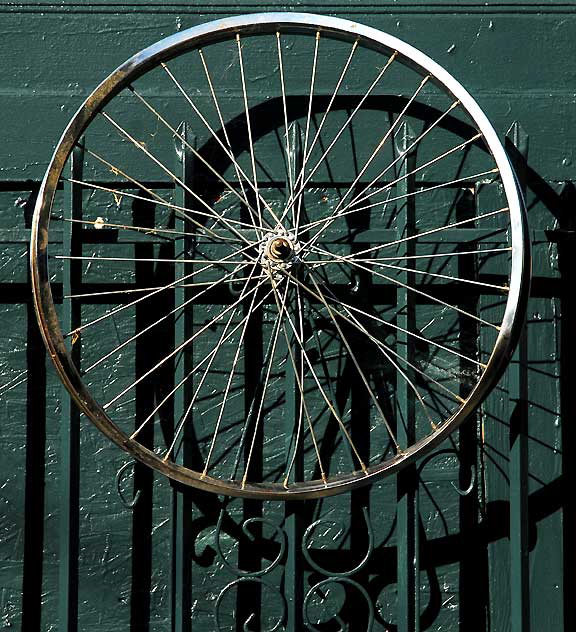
[{"x": 193, "y": 38}]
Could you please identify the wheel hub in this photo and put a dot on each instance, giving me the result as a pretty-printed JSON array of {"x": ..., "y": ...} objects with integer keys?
[{"x": 279, "y": 251}]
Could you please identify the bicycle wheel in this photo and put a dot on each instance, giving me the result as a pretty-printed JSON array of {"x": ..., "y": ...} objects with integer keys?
[{"x": 292, "y": 251}]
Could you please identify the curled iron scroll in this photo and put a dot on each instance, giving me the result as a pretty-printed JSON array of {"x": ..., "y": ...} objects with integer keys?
[
  {"x": 129, "y": 504},
  {"x": 473, "y": 472},
  {"x": 247, "y": 531},
  {"x": 246, "y": 624},
  {"x": 468, "y": 490},
  {"x": 332, "y": 523},
  {"x": 344, "y": 581}
]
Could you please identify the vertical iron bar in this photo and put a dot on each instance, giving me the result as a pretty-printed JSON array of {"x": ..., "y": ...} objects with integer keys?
[
  {"x": 494, "y": 455},
  {"x": 407, "y": 479},
  {"x": 181, "y": 500},
  {"x": 249, "y": 603},
  {"x": 35, "y": 476},
  {"x": 70, "y": 415},
  {"x": 517, "y": 147},
  {"x": 567, "y": 370},
  {"x": 148, "y": 350},
  {"x": 473, "y": 572}
]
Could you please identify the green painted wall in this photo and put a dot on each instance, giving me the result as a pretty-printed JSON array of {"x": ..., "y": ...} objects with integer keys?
[{"x": 500, "y": 558}]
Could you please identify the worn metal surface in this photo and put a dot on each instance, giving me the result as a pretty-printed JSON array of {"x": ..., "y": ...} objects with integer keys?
[{"x": 476, "y": 570}]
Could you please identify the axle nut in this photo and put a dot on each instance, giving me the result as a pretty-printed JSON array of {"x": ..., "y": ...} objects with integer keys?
[{"x": 280, "y": 249}]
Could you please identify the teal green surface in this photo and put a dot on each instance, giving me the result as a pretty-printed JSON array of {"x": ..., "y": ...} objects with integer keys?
[{"x": 165, "y": 564}]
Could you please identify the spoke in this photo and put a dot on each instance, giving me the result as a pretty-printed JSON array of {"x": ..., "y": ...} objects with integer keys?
[
  {"x": 221, "y": 118},
  {"x": 250, "y": 138},
  {"x": 320, "y": 126},
  {"x": 249, "y": 126},
  {"x": 386, "y": 350},
  {"x": 266, "y": 380},
  {"x": 335, "y": 213},
  {"x": 287, "y": 146},
  {"x": 146, "y": 289},
  {"x": 181, "y": 346},
  {"x": 501, "y": 288},
  {"x": 216, "y": 138},
  {"x": 299, "y": 374},
  {"x": 404, "y": 196},
  {"x": 228, "y": 385},
  {"x": 319, "y": 385},
  {"x": 388, "y": 324},
  {"x": 341, "y": 131},
  {"x": 212, "y": 355},
  {"x": 324, "y": 357},
  {"x": 142, "y": 298},
  {"x": 251, "y": 409},
  {"x": 358, "y": 368},
  {"x": 432, "y": 161},
  {"x": 307, "y": 132},
  {"x": 427, "y": 232},
  {"x": 175, "y": 132},
  {"x": 174, "y": 177},
  {"x": 413, "y": 289},
  {"x": 403, "y": 257},
  {"x": 157, "y": 322},
  {"x": 191, "y": 372},
  {"x": 182, "y": 210},
  {"x": 401, "y": 156},
  {"x": 118, "y": 172},
  {"x": 209, "y": 357},
  {"x": 334, "y": 93},
  {"x": 382, "y": 142},
  {"x": 151, "y": 259},
  {"x": 99, "y": 224}
]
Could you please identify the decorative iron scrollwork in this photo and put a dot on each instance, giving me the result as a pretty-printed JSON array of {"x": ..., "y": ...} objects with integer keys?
[
  {"x": 120, "y": 476},
  {"x": 342, "y": 581},
  {"x": 246, "y": 529},
  {"x": 473, "y": 472},
  {"x": 281, "y": 617},
  {"x": 308, "y": 534}
]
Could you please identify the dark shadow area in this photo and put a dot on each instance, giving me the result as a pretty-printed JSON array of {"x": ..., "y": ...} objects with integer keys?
[{"x": 33, "y": 566}]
